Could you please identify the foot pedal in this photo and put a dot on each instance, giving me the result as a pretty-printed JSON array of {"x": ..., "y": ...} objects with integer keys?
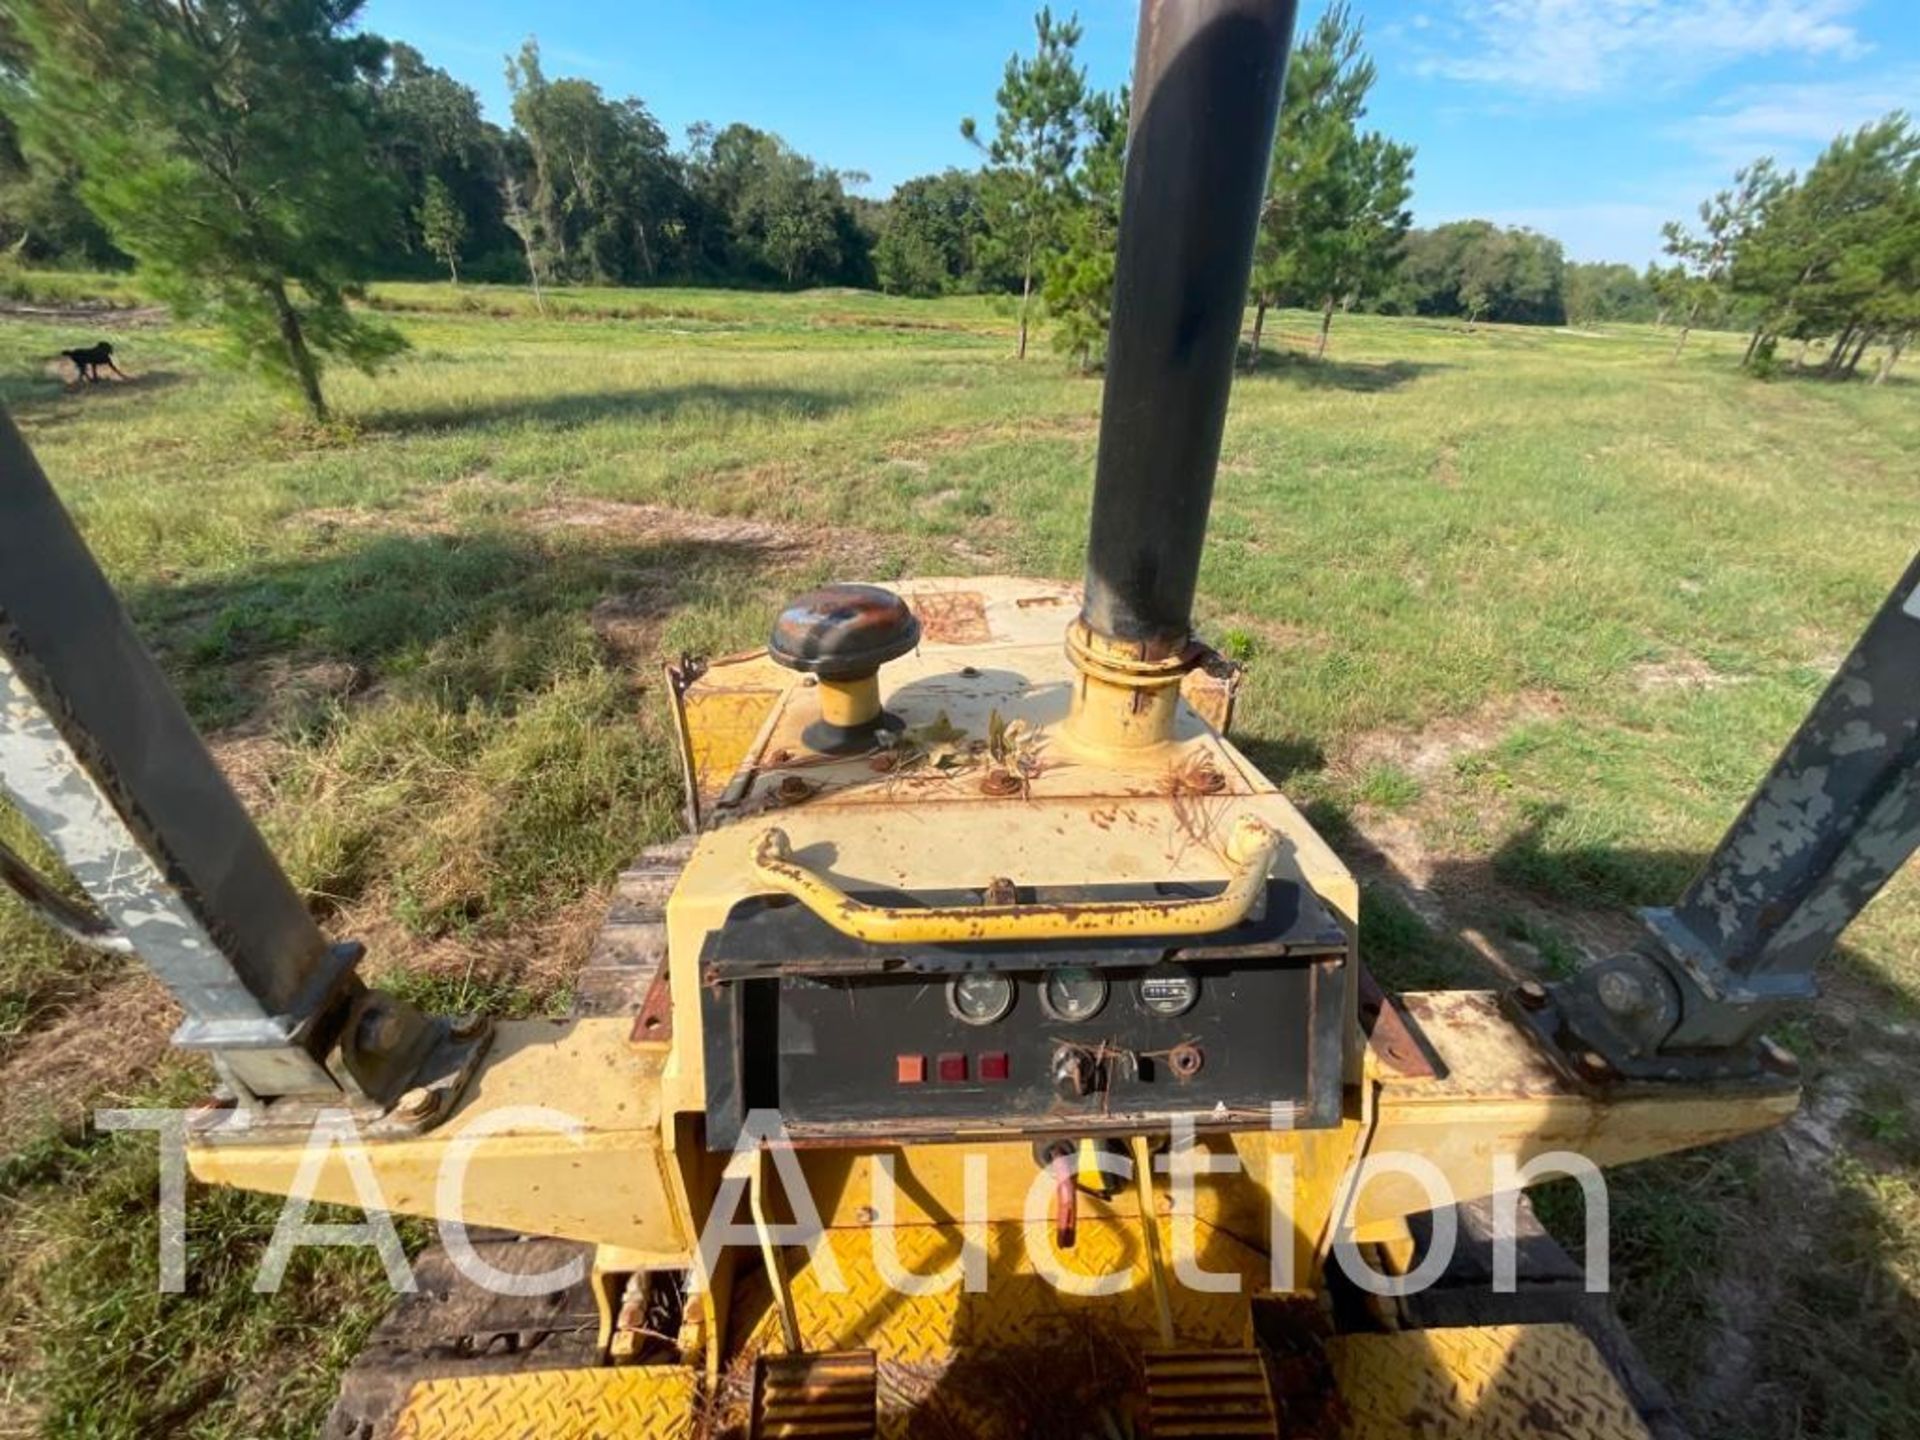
[
  {"x": 815, "y": 1397},
  {"x": 1218, "y": 1394}
]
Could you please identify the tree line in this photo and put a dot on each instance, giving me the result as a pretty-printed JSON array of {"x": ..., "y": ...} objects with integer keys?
[{"x": 260, "y": 160}]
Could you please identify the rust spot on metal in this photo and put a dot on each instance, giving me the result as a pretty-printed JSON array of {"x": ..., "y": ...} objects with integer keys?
[
  {"x": 793, "y": 789},
  {"x": 1389, "y": 1032},
  {"x": 884, "y": 763},
  {"x": 1001, "y": 783},
  {"x": 654, "y": 1024},
  {"x": 957, "y": 618},
  {"x": 779, "y": 757}
]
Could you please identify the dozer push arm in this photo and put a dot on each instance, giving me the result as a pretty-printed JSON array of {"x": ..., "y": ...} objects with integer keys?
[
  {"x": 97, "y": 753},
  {"x": 1834, "y": 820}
]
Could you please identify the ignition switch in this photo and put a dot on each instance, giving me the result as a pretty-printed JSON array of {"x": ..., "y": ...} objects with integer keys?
[{"x": 1076, "y": 1071}]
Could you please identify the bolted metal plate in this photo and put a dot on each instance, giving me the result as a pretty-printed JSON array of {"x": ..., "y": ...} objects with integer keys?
[
  {"x": 1481, "y": 1382},
  {"x": 1220, "y": 1394},
  {"x": 818, "y": 1397},
  {"x": 635, "y": 1402}
]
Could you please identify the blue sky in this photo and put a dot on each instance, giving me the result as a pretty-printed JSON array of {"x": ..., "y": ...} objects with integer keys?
[{"x": 1593, "y": 120}]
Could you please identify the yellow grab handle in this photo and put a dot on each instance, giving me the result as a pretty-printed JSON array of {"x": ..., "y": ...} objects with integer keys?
[{"x": 1251, "y": 847}]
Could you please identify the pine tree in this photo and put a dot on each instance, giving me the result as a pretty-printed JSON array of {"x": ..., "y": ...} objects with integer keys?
[
  {"x": 1335, "y": 212},
  {"x": 1079, "y": 288},
  {"x": 1042, "y": 105},
  {"x": 224, "y": 145}
]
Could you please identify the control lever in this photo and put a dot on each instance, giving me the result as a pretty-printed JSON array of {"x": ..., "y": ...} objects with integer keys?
[{"x": 1066, "y": 1201}]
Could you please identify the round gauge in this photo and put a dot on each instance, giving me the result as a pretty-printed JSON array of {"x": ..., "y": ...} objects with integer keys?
[
  {"x": 1167, "y": 990},
  {"x": 1073, "y": 995},
  {"x": 980, "y": 998}
]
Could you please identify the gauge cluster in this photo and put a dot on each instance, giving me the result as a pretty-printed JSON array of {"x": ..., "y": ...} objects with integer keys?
[
  {"x": 850, "y": 1041},
  {"x": 1075, "y": 1048}
]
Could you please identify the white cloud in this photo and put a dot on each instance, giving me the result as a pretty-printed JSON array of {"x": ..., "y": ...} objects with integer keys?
[
  {"x": 1593, "y": 47},
  {"x": 1793, "y": 122}
]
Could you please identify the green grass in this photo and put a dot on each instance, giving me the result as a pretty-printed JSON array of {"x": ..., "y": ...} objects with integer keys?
[{"x": 1540, "y": 606}]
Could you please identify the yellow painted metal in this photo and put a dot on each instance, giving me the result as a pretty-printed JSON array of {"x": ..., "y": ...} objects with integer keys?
[
  {"x": 771, "y": 1256},
  {"x": 721, "y": 714},
  {"x": 1150, "y": 1236},
  {"x": 559, "y": 1132},
  {"x": 1027, "y": 1300},
  {"x": 631, "y": 1402},
  {"x": 1251, "y": 847},
  {"x": 1496, "y": 1098},
  {"x": 1504, "y": 1382},
  {"x": 849, "y": 702},
  {"x": 1124, "y": 704}
]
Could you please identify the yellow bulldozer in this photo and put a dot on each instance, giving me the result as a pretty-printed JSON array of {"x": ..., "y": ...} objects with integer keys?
[{"x": 996, "y": 1055}]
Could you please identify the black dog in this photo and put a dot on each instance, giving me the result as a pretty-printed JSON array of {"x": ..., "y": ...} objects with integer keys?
[{"x": 87, "y": 363}]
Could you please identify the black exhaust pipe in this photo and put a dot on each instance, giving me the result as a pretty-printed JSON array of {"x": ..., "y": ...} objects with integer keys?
[{"x": 1207, "y": 77}]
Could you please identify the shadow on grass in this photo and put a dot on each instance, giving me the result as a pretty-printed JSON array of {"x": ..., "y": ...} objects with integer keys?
[
  {"x": 479, "y": 618},
  {"x": 42, "y": 400},
  {"x": 568, "y": 411},
  {"x": 1364, "y": 378}
]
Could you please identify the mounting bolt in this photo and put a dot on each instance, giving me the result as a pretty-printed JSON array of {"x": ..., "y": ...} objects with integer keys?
[
  {"x": 1001, "y": 782},
  {"x": 465, "y": 1027},
  {"x": 1532, "y": 994},
  {"x": 1595, "y": 1066},
  {"x": 792, "y": 789},
  {"x": 418, "y": 1103},
  {"x": 1623, "y": 993}
]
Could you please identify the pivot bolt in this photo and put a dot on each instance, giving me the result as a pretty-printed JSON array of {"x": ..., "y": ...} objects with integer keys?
[
  {"x": 1532, "y": 994},
  {"x": 1623, "y": 993},
  {"x": 418, "y": 1103}
]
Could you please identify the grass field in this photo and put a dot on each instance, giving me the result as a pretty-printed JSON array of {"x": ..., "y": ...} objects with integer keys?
[{"x": 1527, "y": 613}]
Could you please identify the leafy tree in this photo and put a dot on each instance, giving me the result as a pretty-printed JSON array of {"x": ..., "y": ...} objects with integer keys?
[
  {"x": 1037, "y": 132},
  {"x": 1705, "y": 257},
  {"x": 1475, "y": 269},
  {"x": 931, "y": 235},
  {"x": 606, "y": 189},
  {"x": 431, "y": 128},
  {"x": 1597, "y": 292},
  {"x": 526, "y": 229},
  {"x": 223, "y": 143},
  {"x": 1079, "y": 285},
  {"x": 1335, "y": 211},
  {"x": 442, "y": 224},
  {"x": 768, "y": 212}
]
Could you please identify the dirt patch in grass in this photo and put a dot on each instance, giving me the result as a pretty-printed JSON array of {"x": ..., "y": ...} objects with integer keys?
[
  {"x": 112, "y": 1038},
  {"x": 1430, "y": 752},
  {"x": 1679, "y": 672}
]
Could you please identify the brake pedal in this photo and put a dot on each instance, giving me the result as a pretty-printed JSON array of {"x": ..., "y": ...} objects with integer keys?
[
  {"x": 829, "y": 1396},
  {"x": 1218, "y": 1394}
]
